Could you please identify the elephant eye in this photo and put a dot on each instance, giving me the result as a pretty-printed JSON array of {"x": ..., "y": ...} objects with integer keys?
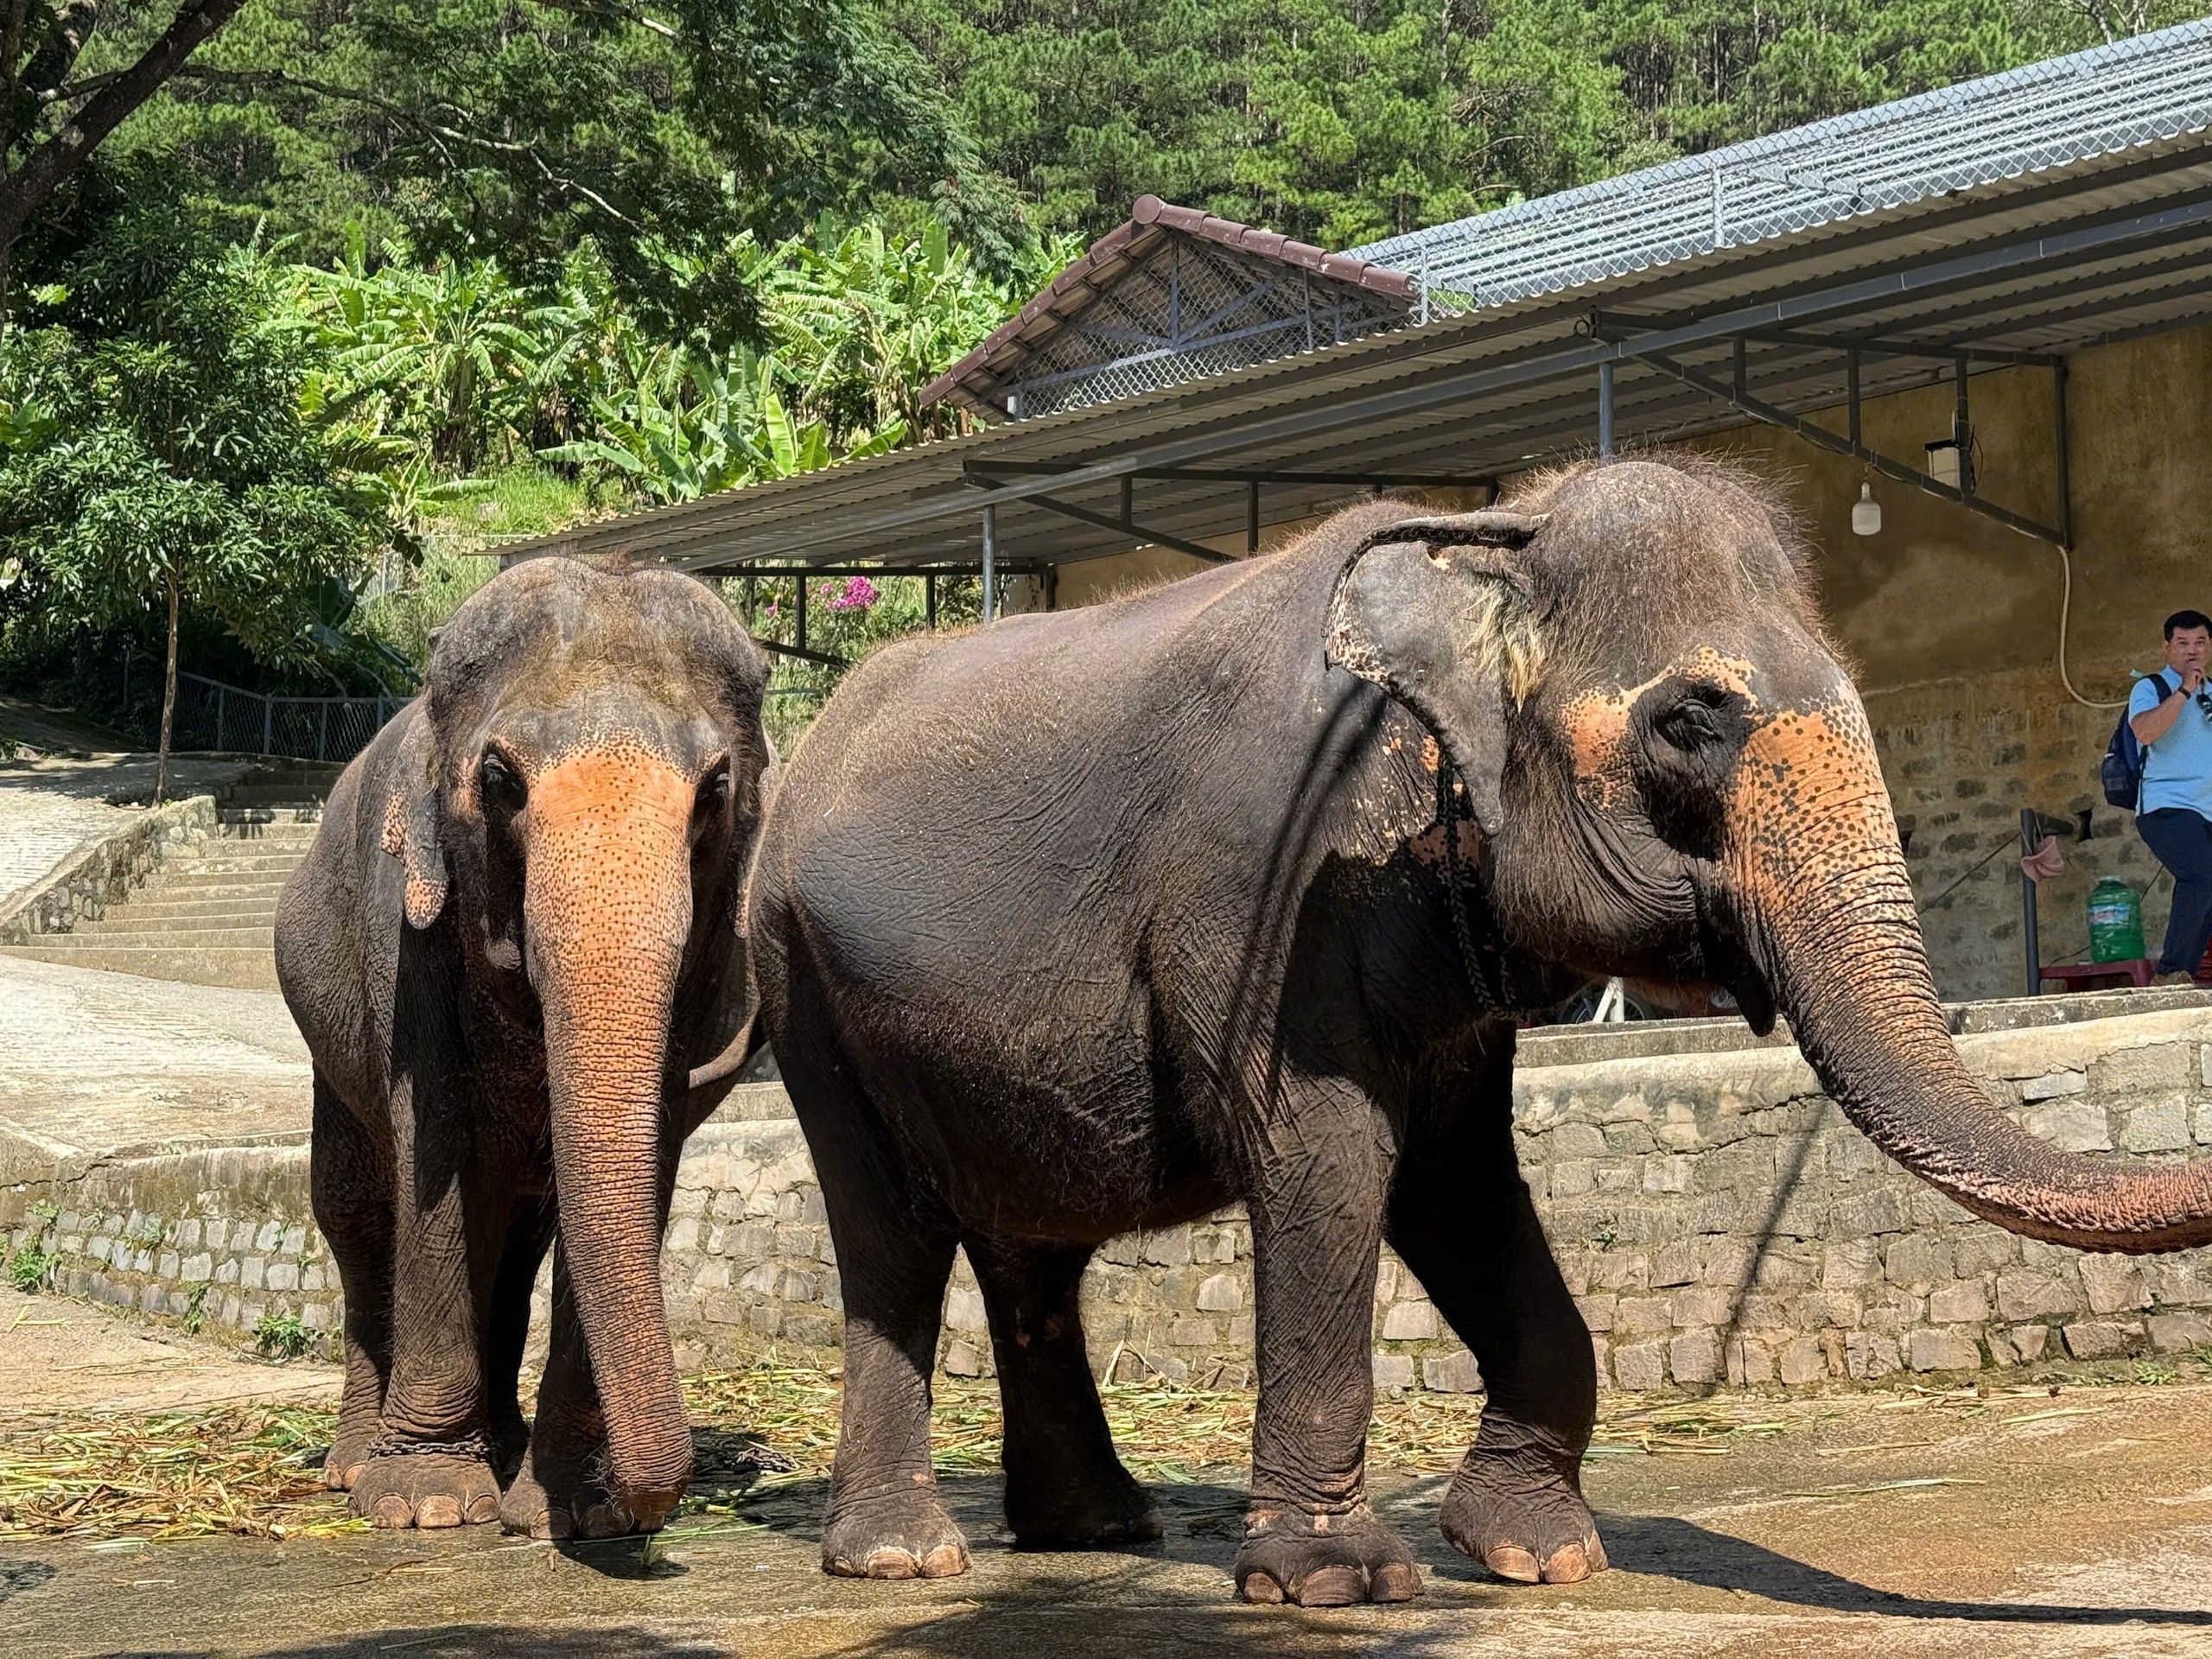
[
  {"x": 501, "y": 782},
  {"x": 1691, "y": 726},
  {"x": 714, "y": 786}
]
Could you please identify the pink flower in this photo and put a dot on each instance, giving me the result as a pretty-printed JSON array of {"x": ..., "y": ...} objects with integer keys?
[{"x": 858, "y": 593}]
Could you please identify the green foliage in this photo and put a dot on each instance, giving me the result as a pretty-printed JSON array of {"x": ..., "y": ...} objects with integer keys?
[
  {"x": 1344, "y": 120},
  {"x": 280, "y": 1335},
  {"x": 30, "y": 1268},
  {"x": 195, "y": 1310},
  {"x": 524, "y": 127},
  {"x": 153, "y": 441}
]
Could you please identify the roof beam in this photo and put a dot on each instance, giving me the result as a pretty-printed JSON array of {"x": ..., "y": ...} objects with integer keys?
[
  {"x": 1140, "y": 534},
  {"x": 1248, "y": 476},
  {"x": 1837, "y": 443}
]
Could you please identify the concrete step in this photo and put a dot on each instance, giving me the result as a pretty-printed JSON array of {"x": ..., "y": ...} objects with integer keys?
[
  {"x": 274, "y": 832},
  {"x": 239, "y": 887},
  {"x": 249, "y": 970},
  {"x": 111, "y": 937},
  {"x": 238, "y": 855},
  {"x": 158, "y": 908}
]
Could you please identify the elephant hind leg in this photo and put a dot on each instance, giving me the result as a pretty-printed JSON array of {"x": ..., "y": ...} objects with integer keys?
[
  {"x": 1064, "y": 1487},
  {"x": 1461, "y": 1219},
  {"x": 895, "y": 1241},
  {"x": 351, "y": 1175}
]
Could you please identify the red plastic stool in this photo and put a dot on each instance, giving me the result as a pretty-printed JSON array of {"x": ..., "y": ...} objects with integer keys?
[{"x": 2101, "y": 975}]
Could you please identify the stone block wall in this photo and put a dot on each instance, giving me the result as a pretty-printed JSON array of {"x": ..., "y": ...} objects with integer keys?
[
  {"x": 104, "y": 870},
  {"x": 1716, "y": 1219},
  {"x": 1961, "y": 759},
  {"x": 217, "y": 1237}
]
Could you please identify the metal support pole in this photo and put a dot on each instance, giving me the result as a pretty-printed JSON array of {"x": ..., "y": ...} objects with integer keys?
[
  {"x": 2030, "y": 821},
  {"x": 269, "y": 725},
  {"x": 1604, "y": 411},
  {"x": 1051, "y": 587},
  {"x": 1962, "y": 434},
  {"x": 1252, "y": 517},
  {"x": 1129, "y": 499},
  {"x": 322, "y": 734},
  {"x": 798, "y": 613},
  {"x": 2058, "y": 435},
  {"x": 990, "y": 563},
  {"x": 929, "y": 599},
  {"x": 222, "y": 706},
  {"x": 1739, "y": 371},
  {"x": 1851, "y": 390}
]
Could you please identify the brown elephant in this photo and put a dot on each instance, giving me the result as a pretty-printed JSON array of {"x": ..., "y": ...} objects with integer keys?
[
  {"x": 514, "y": 953},
  {"x": 1230, "y": 891}
]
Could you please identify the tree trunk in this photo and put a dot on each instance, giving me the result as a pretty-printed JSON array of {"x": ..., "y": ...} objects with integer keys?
[{"x": 168, "y": 703}]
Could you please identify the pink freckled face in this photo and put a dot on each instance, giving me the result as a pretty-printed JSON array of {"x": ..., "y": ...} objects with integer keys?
[{"x": 1596, "y": 722}]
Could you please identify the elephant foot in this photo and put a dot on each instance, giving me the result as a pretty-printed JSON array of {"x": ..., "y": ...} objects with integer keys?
[
  {"x": 509, "y": 1435},
  {"x": 349, "y": 1455},
  {"x": 1516, "y": 1505},
  {"x": 415, "y": 1483},
  {"x": 906, "y": 1535},
  {"x": 1323, "y": 1560},
  {"x": 563, "y": 1503},
  {"x": 1081, "y": 1514}
]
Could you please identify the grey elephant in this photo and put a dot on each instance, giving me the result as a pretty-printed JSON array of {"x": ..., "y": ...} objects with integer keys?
[
  {"x": 1232, "y": 890},
  {"x": 514, "y": 951}
]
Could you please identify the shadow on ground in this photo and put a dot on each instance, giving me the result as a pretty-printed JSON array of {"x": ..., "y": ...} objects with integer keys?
[{"x": 1668, "y": 1548}]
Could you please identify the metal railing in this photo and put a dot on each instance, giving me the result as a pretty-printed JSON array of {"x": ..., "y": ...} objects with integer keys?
[{"x": 210, "y": 714}]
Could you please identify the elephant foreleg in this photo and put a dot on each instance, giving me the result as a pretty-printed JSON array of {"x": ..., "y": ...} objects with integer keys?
[
  {"x": 1064, "y": 1487},
  {"x": 1461, "y": 1219},
  {"x": 431, "y": 1463},
  {"x": 1316, "y": 1203},
  {"x": 529, "y": 1233},
  {"x": 351, "y": 1174}
]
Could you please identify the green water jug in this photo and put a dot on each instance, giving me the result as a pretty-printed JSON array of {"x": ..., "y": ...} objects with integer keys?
[{"x": 2115, "y": 922}]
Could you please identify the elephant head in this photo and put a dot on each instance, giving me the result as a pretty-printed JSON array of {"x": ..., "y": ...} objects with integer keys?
[
  {"x": 1675, "y": 780},
  {"x": 576, "y": 812}
]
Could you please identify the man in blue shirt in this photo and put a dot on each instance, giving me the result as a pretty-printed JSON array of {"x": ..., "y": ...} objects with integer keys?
[{"x": 2171, "y": 713}]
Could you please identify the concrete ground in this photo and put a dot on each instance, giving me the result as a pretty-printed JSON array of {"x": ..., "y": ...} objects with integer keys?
[
  {"x": 100, "y": 1063},
  {"x": 1916, "y": 1525},
  {"x": 74, "y": 781}
]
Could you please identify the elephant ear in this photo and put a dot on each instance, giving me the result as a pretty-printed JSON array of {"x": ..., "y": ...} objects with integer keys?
[
  {"x": 410, "y": 822},
  {"x": 1440, "y": 613}
]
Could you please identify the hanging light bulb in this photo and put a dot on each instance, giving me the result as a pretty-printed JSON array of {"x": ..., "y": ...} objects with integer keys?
[{"x": 1866, "y": 513}]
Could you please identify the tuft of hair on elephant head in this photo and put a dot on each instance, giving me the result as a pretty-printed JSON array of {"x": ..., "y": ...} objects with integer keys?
[
  {"x": 1676, "y": 782},
  {"x": 516, "y": 954}
]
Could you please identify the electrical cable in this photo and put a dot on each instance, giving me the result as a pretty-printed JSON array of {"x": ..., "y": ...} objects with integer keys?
[
  {"x": 2012, "y": 839},
  {"x": 2065, "y": 610}
]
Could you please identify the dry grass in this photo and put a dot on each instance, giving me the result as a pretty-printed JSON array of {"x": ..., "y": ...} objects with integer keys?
[
  {"x": 255, "y": 1469},
  {"x": 258, "y": 1470}
]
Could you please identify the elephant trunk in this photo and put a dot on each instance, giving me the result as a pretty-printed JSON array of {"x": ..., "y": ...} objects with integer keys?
[
  {"x": 1818, "y": 883},
  {"x": 608, "y": 907}
]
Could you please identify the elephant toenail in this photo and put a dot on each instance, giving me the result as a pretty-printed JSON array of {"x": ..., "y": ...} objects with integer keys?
[
  {"x": 554, "y": 1523},
  {"x": 606, "y": 1521},
  {"x": 1568, "y": 1565},
  {"x": 1333, "y": 1587},
  {"x": 891, "y": 1564},
  {"x": 1262, "y": 1587},
  {"x": 391, "y": 1511},
  {"x": 1513, "y": 1562},
  {"x": 438, "y": 1510},
  {"x": 484, "y": 1506},
  {"x": 1394, "y": 1582},
  {"x": 945, "y": 1561},
  {"x": 1594, "y": 1547}
]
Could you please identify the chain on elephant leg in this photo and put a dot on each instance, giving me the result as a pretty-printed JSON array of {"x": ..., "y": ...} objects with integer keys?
[
  {"x": 427, "y": 1484},
  {"x": 1516, "y": 1506}
]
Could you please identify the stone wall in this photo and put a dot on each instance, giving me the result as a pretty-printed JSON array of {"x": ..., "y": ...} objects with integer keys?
[
  {"x": 1960, "y": 760},
  {"x": 1715, "y": 1217},
  {"x": 103, "y": 870}
]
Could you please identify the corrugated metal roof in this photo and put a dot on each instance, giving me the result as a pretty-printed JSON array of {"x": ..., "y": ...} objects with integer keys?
[
  {"x": 2054, "y": 258},
  {"x": 2047, "y": 114}
]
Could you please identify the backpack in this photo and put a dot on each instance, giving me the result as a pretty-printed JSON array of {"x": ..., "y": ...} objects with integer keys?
[{"x": 2122, "y": 770}]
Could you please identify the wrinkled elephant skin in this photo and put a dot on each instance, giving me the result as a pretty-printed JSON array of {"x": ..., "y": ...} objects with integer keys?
[{"x": 514, "y": 952}]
